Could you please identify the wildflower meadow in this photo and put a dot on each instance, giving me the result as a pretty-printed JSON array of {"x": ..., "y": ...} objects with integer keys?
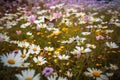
[{"x": 59, "y": 40}]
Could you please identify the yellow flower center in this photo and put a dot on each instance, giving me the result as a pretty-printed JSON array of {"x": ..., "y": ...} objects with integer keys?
[
  {"x": 23, "y": 55},
  {"x": 91, "y": 47},
  {"x": 63, "y": 58},
  {"x": 11, "y": 61},
  {"x": 24, "y": 46},
  {"x": 82, "y": 51},
  {"x": 3, "y": 38},
  {"x": 28, "y": 78},
  {"x": 38, "y": 61},
  {"x": 34, "y": 49},
  {"x": 111, "y": 46},
  {"x": 96, "y": 73}
]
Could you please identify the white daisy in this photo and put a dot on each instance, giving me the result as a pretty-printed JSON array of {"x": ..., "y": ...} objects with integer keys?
[
  {"x": 29, "y": 33},
  {"x": 113, "y": 67},
  {"x": 63, "y": 57},
  {"x": 40, "y": 60},
  {"x": 12, "y": 60},
  {"x": 24, "y": 54},
  {"x": 28, "y": 75},
  {"x": 69, "y": 74},
  {"x": 91, "y": 46},
  {"x": 96, "y": 74},
  {"x": 111, "y": 45},
  {"x": 62, "y": 78},
  {"x": 4, "y": 37},
  {"x": 23, "y": 44},
  {"x": 25, "y": 65},
  {"x": 75, "y": 52},
  {"x": 82, "y": 50},
  {"x": 71, "y": 40},
  {"x": 86, "y": 33},
  {"x": 49, "y": 49},
  {"x": 34, "y": 49},
  {"x": 52, "y": 77},
  {"x": 109, "y": 74}
]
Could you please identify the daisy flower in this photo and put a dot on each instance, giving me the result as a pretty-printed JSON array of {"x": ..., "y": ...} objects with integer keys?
[
  {"x": 69, "y": 74},
  {"x": 63, "y": 57},
  {"x": 24, "y": 54},
  {"x": 4, "y": 37},
  {"x": 62, "y": 78},
  {"x": 86, "y": 33},
  {"x": 82, "y": 50},
  {"x": 23, "y": 44},
  {"x": 71, "y": 40},
  {"x": 111, "y": 45},
  {"x": 113, "y": 67},
  {"x": 40, "y": 60},
  {"x": 28, "y": 75},
  {"x": 52, "y": 77},
  {"x": 91, "y": 46},
  {"x": 12, "y": 60},
  {"x": 96, "y": 74},
  {"x": 34, "y": 49},
  {"x": 49, "y": 49},
  {"x": 47, "y": 71}
]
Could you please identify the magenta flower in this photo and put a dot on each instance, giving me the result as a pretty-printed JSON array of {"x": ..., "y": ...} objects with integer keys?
[
  {"x": 57, "y": 15},
  {"x": 47, "y": 71},
  {"x": 32, "y": 18}
]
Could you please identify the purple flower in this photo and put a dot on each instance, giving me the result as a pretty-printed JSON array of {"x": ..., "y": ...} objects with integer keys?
[
  {"x": 99, "y": 37},
  {"x": 15, "y": 51},
  {"x": 1, "y": 40},
  {"x": 78, "y": 55},
  {"x": 47, "y": 71},
  {"x": 108, "y": 37}
]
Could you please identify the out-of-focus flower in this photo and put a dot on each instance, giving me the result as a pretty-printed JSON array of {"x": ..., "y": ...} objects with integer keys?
[
  {"x": 4, "y": 37},
  {"x": 52, "y": 77},
  {"x": 111, "y": 45},
  {"x": 57, "y": 15},
  {"x": 62, "y": 78},
  {"x": 49, "y": 48},
  {"x": 63, "y": 57},
  {"x": 32, "y": 18},
  {"x": 113, "y": 67},
  {"x": 18, "y": 32},
  {"x": 109, "y": 74},
  {"x": 100, "y": 37},
  {"x": 91, "y": 46},
  {"x": 82, "y": 50},
  {"x": 69, "y": 74},
  {"x": 29, "y": 33},
  {"x": 47, "y": 71},
  {"x": 85, "y": 33},
  {"x": 23, "y": 44},
  {"x": 28, "y": 75}
]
